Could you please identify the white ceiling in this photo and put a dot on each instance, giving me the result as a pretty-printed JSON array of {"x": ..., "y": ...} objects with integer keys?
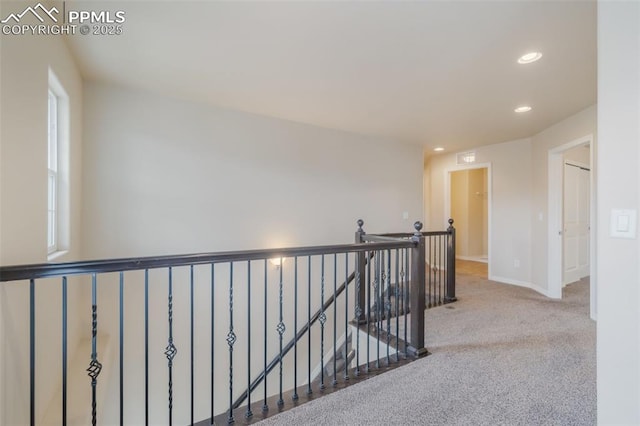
[{"x": 433, "y": 73}]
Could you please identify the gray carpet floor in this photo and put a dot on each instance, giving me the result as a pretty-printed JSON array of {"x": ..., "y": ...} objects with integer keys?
[{"x": 501, "y": 355}]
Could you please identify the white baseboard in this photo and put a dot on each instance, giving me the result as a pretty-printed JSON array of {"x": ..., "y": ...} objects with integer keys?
[{"x": 519, "y": 283}]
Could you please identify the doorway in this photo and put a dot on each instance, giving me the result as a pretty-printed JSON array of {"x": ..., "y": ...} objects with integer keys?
[
  {"x": 571, "y": 217},
  {"x": 469, "y": 206},
  {"x": 576, "y": 226}
]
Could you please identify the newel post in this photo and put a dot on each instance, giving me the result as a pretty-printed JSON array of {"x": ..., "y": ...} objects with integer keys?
[
  {"x": 450, "y": 292},
  {"x": 417, "y": 294},
  {"x": 360, "y": 275}
]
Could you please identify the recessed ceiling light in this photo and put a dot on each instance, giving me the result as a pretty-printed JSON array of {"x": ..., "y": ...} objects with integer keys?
[
  {"x": 529, "y": 57},
  {"x": 438, "y": 149},
  {"x": 524, "y": 108}
]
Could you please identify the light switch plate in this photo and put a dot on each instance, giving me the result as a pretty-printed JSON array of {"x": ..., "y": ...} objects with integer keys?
[{"x": 623, "y": 223}]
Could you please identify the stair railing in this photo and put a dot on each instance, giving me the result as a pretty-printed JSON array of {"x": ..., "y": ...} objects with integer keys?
[{"x": 232, "y": 280}]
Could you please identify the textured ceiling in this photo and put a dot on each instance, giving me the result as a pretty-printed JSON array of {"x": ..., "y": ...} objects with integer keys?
[{"x": 432, "y": 73}]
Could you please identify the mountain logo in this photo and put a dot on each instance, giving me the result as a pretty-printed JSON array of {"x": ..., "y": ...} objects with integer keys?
[{"x": 43, "y": 11}]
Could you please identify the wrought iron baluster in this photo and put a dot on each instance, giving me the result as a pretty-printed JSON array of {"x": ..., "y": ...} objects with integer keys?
[
  {"x": 357, "y": 313},
  {"x": 405, "y": 297},
  {"x": 248, "y": 413},
  {"x": 441, "y": 268},
  {"x": 231, "y": 339},
  {"x": 388, "y": 304},
  {"x": 309, "y": 391},
  {"x": 213, "y": 328},
  {"x": 146, "y": 347},
  {"x": 32, "y": 352},
  {"x": 438, "y": 271},
  {"x": 192, "y": 338},
  {"x": 170, "y": 351},
  {"x": 265, "y": 406},
  {"x": 94, "y": 367},
  {"x": 295, "y": 330},
  {"x": 64, "y": 350},
  {"x": 322, "y": 319},
  {"x": 428, "y": 270},
  {"x": 346, "y": 317},
  {"x": 335, "y": 319},
  {"x": 369, "y": 311},
  {"x": 121, "y": 348},
  {"x": 397, "y": 295},
  {"x": 281, "y": 329},
  {"x": 434, "y": 269},
  {"x": 376, "y": 288}
]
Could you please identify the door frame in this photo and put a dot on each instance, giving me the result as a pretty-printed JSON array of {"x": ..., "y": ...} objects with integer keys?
[
  {"x": 555, "y": 222},
  {"x": 447, "y": 201}
]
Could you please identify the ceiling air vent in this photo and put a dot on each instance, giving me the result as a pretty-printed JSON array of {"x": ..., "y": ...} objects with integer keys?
[{"x": 466, "y": 158}]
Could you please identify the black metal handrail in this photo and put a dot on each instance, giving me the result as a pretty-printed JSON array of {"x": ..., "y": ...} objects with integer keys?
[{"x": 47, "y": 270}]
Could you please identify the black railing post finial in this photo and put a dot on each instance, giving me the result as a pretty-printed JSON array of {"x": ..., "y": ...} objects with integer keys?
[
  {"x": 418, "y": 227},
  {"x": 417, "y": 294},
  {"x": 360, "y": 275},
  {"x": 450, "y": 293}
]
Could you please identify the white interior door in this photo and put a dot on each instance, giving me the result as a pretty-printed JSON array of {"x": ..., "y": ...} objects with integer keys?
[{"x": 576, "y": 223}]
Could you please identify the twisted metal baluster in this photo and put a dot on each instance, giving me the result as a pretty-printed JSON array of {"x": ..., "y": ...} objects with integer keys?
[
  {"x": 170, "y": 351},
  {"x": 323, "y": 319},
  {"x": 94, "y": 367},
  {"x": 281, "y": 329},
  {"x": 231, "y": 339}
]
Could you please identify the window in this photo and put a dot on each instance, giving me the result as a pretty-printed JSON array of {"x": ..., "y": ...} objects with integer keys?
[
  {"x": 57, "y": 168},
  {"x": 52, "y": 220}
]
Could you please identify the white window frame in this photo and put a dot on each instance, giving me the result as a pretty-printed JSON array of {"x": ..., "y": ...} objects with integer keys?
[{"x": 58, "y": 191}]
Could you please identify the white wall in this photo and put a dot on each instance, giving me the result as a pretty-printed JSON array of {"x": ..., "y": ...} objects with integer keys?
[
  {"x": 167, "y": 176},
  {"x": 510, "y": 226},
  {"x": 164, "y": 176},
  {"x": 618, "y": 186},
  {"x": 24, "y": 66}
]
